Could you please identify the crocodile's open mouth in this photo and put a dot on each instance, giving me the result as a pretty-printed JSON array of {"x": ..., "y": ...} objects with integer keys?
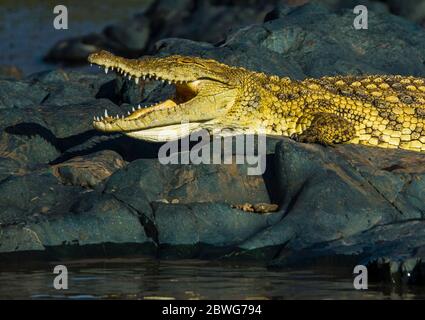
[{"x": 198, "y": 98}]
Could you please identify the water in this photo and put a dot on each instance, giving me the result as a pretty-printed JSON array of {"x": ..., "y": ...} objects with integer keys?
[
  {"x": 27, "y": 32},
  {"x": 149, "y": 278}
]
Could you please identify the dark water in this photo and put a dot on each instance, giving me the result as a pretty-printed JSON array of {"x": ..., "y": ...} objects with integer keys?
[
  {"x": 148, "y": 278},
  {"x": 27, "y": 32}
]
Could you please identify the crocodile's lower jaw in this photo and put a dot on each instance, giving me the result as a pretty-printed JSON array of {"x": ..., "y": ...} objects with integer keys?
[
  {"x": 184, "y": 129},
  {"x": 166, "y": 133}
]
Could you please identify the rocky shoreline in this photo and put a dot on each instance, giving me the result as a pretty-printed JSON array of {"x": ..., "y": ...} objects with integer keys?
[{"x": 70, "y": 192}]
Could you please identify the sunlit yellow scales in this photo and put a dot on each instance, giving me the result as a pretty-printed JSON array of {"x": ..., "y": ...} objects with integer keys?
[{"x": 387, "y": 111}]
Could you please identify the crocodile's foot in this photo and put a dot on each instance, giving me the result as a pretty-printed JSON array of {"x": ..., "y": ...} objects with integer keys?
[
  {"x": 257, "y": 207},
  {"x": 306, "y": 138}
]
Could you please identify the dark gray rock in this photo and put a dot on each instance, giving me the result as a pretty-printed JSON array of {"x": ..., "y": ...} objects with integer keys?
[
  {"x": 90, "y": 170},
  {"x": 207, "y": 21},
  {"x": 323, "y": 198},
  {"x": 313, "y": 41},
  {"x": 188, "y": 183},
  {"x": 392, "y": 252},
  {"x": 69, "y": 87},
  {"x": 27, "y": 150},
  {"x": 74, "y": 119},
  {"x": 19, "y": 94},
  {"x": 131, "y": 35},
  {"x": 36, "y": 193},
  {"x": 147, "y": 180},
  {"x": 10, "y": 72},
  {"x": 411, "y": 9},
  {"x": 100, "y": 222},
  {"x": 206, "y": 226},
  {"x": 74, "y": 50},
  {"x": 9, "y": 166},
  {"x": 348, "y": 201}
]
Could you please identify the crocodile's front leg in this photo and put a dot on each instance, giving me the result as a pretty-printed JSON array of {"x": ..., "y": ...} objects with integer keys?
[{"x": 327, "y": 129}]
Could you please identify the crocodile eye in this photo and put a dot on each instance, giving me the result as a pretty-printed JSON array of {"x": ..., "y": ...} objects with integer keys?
[
  {"x": 186, "y": 60},
  {"x": 191, "y": 62}
]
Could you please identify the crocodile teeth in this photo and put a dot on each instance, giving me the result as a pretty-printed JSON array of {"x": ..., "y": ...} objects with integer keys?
[
  {"x": 136, "y": 80},
  {"x": 139, "y": 106},
  {"x": 106, "y": 70},
  {"x": 132, "y": 109},
  {"x": 106, "y": 113}
]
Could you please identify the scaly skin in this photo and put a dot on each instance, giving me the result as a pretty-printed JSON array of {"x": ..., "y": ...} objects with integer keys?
[{"x": 377, "y": 110}]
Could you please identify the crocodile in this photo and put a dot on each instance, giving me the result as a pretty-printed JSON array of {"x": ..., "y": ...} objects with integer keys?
[{"x": 386, "y": 111}]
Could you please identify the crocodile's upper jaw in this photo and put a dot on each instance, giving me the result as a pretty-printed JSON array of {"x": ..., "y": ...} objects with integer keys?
[{"x": 203, "y": 95}]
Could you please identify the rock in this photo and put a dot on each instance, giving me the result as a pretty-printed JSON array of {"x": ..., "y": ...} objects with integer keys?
[
  {"x": 75, "y": 50},
  {"x": 66, "y": 220},
  {"x": 10, "y": 72},
  {"x": 321, "y": 191},
  {"x": 192, "y": 20},
  {"x": 20, "y": 94},
  {"x": 99, "y": 228},
  {"x": 206, "y": 227},
  {"x": 187, "y": 183},
  {"x": 392, "y": 252},
  {"x": 74, "y": 119},
  {"x": 131, "y": 35},
  {"x": 411, "y": 9},
  {"x": 27, "y": 151},
  {"x": 90, "y": 170},
  {"x": 358, "y": 193},
  {"x": 25, "y": 193},
  {"x": 9, "y": 166},
  {"x": 146, "y": 180},
  {"x": 163, "y": 18},
  {"x": 298, "y": 43},
  {"x": 70, "y": 87}
]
